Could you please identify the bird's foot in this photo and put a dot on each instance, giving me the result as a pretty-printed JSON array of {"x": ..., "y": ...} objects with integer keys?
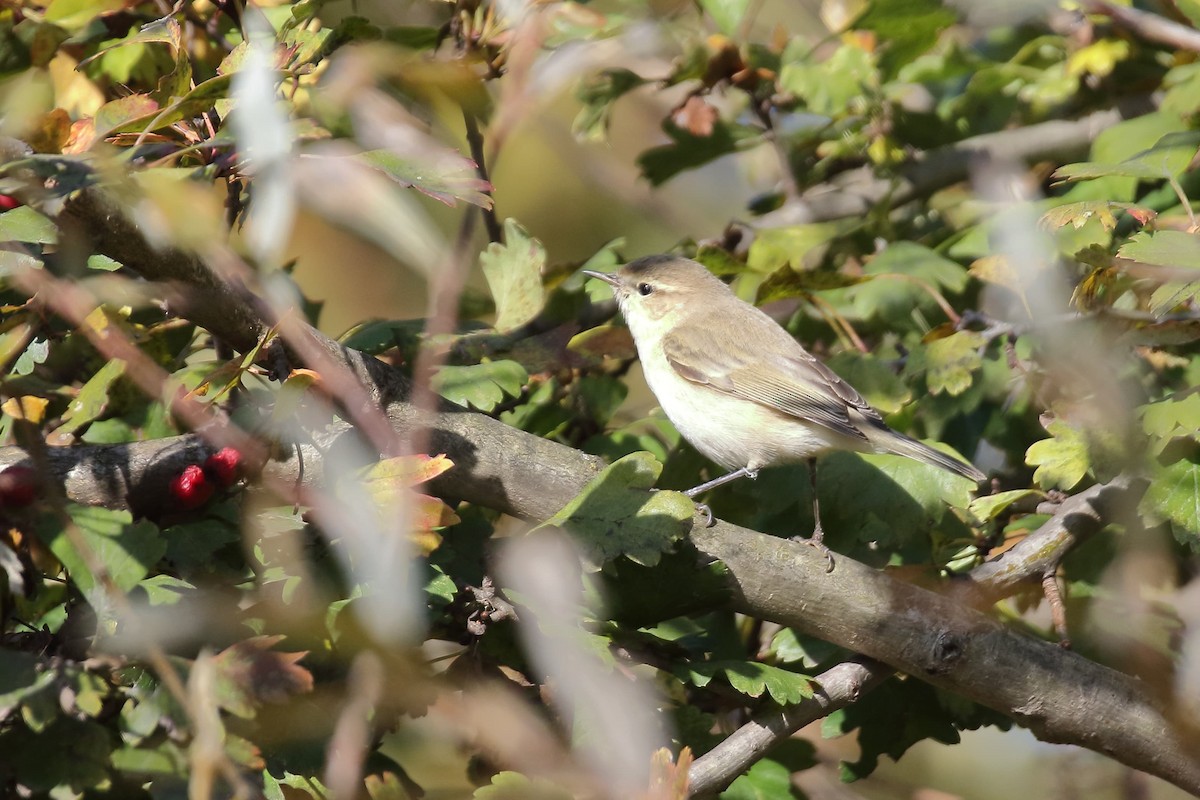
[
  {"x": 703, "y": 508},
  {"x": 816, "y": 540}
]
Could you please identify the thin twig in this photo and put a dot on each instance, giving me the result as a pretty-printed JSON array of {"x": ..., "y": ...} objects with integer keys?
[
  {"x": 491, "y": 222},
  {"x": 1148, "y": 26}
]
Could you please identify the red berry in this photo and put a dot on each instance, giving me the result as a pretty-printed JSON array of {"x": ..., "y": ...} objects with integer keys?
[
  {"x": 18, "y": 486},
  {"x": 8, "y": 203},
  {"x": 192, "y": 487},
  {"x": 223, "y": 466}
]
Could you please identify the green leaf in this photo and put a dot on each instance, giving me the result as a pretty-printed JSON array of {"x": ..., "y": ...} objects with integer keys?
[
  {"x": 125, "y": 549},
  {"x": 986, "y": 509},
  {"x": 616, "y": 514},
  {"x": 1163, "y": 248},
  {"x": 26, "y": 224},
  {"x": 727, "y": 14},
  {"x": 92, "y": 400},
  {"x": 515, "y": 786},
  {"x": 640, "y": 596},
  {"x": 1061, "y": 461},
  {"x": 793, "y": 246},
  {"x": 1174, "y": 495},
  {"x": 894, "y": 300},
  {"x": 831, "y": 87},
  {"x": 766, "y": 780},
  {"x": 688, "y": 151},
  {"x": 790, "y": 647},
  {"x": 67, "y": 753},
  {"x": 1174, "y": 418},
  {"x": 481, "y": 386},
  {"x": 598, "y": 93},
  {"x": 751, "y": 678},
  {"x": 514, "y": 273},
  {"x": 20, "y": 677},
  {"x": 435, "y": 171},
  {"x": 951, "y": 362},
  {"x": 906, "y": 29}
]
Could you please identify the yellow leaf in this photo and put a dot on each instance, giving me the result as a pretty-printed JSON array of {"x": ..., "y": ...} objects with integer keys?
[{"x": 29, "y": 408}]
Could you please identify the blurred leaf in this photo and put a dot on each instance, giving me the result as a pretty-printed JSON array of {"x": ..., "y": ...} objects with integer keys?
[
  {"x": 906, "y": 29},
  {"x": 515, "y": 786},
  {"x": 727, "y": 14},
  {"x": 433, "y": 170},
  {"x": 25, "y": 224},
  {"x": 1173, "y": 418},
  {"x": 1061, "y": 461},
  {"x": 21, "y": 676},
  {"x": 686, "y": 151},
  {"x": 514, "y": 274},
  {"x": 76, "y": 14},
  {"x": 951, "y": 362},
  {"x": 597, "y": 95},
  {"x": 480, "y": 386},
  {"x": 68, "y": 754},
  {"x": 616, "y": 514},
  {"x": 1174, "y": 495},
  {"x": 751, "y": 678},
  {"x": 986, "y": 509},
  {"x": 1168, "y": 158},
  {"x": 1079, "y": 214},
  {"x": 832, "y": 86},
  {"x": 249, "y": 673}
]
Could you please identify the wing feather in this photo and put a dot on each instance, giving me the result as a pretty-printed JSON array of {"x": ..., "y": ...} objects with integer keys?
[{"x": 792, "y": 382}]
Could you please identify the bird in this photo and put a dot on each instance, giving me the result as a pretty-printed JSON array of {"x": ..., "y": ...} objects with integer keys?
[{"x": 739, "y": 387}]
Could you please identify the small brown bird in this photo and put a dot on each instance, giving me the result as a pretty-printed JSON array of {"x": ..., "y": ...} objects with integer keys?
[{"x": 738, "y": 386}]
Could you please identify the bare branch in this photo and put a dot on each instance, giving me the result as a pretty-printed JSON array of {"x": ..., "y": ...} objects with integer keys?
[
  {"x": 839, "y": 687},
  {"x": 1149, "y": 26}
]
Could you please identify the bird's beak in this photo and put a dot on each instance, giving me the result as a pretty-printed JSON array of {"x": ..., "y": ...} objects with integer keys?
[{"x": 607, "y": 277}]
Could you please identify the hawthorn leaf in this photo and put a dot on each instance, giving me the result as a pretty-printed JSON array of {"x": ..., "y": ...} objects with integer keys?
[
  {"x": 1163, "y": 248},
  {"x": 617, "y": 515},
  {"x": 480, "y": 386},
  {"x": 986, "y": 509},
  {"x": 1174, "y": 495},
  {"x": 434, "y": 170},
  {"x": 1062, "y": 460},
  {"x": 751, "y": 678},
  {"x": 514, "y": 274},
  {"x": 951, "y": 362},
  {"x": 27, "y": 224}
]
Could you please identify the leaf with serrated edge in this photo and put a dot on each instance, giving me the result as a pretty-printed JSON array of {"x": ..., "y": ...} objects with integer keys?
[{"x": 616, "y": 514}]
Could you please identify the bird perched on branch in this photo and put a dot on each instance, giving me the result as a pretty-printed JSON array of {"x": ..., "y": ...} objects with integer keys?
[{"x": 739, "y": 387}]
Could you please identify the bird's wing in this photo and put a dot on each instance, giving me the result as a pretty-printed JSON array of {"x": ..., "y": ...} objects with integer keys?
[{"x": 792, "y": 382}]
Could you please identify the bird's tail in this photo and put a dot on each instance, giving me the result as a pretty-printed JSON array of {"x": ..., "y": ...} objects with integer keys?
[{"x": 889, "y": 441}]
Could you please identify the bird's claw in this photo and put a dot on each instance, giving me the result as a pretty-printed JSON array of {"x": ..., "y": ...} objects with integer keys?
[
  {"x": 703, "y": 508},
  {"x": 816, "y": 541}
]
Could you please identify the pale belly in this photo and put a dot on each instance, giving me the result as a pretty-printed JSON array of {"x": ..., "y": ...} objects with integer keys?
[{"x": 738, "y": 433}]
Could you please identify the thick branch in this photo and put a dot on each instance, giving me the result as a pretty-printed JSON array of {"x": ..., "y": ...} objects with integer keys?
[{"x": 1077, "y": 518}]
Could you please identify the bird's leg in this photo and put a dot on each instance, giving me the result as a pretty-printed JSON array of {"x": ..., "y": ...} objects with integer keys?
[
  {"x": 818, "y": 534},
  {"x": 744, "y": 472}
]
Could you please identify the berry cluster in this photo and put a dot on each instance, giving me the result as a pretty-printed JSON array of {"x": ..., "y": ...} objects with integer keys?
[{"x": 195, "y": 485}]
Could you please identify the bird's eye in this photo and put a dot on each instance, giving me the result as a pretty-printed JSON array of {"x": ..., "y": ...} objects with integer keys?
[{"x": 645, "y": 289}]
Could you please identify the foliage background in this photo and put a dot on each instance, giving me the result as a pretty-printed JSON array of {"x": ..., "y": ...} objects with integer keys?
[{"x": 1035, "y": 312}]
